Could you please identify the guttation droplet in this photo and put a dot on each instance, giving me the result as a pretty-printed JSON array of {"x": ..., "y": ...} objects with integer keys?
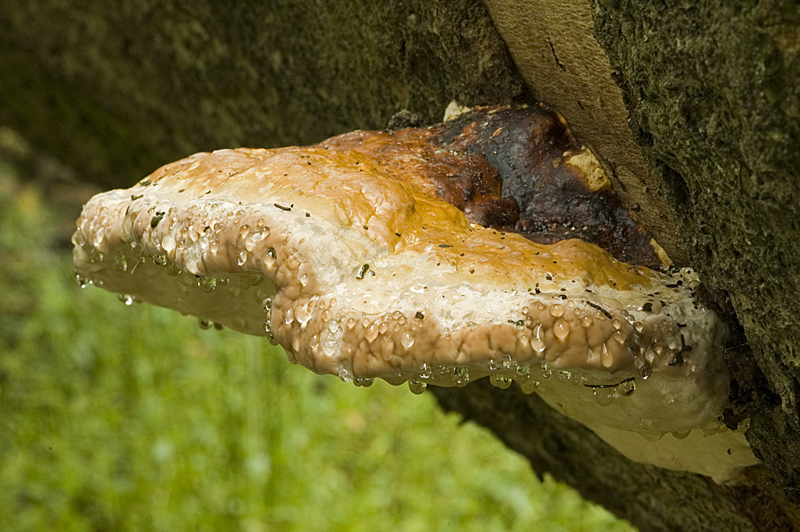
[
  {"x": 604, "y": 396},
  {"x": 626, "y": 388},
  {"x": 416, "y": 387},
  {"x": 206, "y": 284},
  {"x": 460, "y": 376},
  {"x": 241, "y": 258},
  {"x": 252, "y": 239},
  {"x": 345, "y": 375},
  {"x": 500, "y": 381},
  {"x": 425, "y": 372},
  {"x": 523, "y": 374},
  {"x": 537, "y": 340},
  {"x": 407, "y": 339},
  {"x": 120, "y": 262},
  {"x": 561, "y": 329},
  {"x": 563, "y": 375},
  {"x": 680, "y": 435}
]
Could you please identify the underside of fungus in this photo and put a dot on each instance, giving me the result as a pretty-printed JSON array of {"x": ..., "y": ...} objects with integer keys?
[{"x": 413, "y": 256}]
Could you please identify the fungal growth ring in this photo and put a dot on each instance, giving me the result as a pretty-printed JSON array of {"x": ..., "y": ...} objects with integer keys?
[{"x": 415, "y": 256}]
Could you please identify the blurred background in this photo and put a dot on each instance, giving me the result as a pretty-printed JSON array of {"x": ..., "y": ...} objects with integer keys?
[
  {"x": 131, "y": 417},
  {"x": 120, "y": 417}
]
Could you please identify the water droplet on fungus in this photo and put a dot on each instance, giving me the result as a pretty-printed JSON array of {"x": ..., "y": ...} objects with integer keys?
[
  {"x": 241, "y": 257},
  {"x": 416, "y": 387},
  {"x": 627, "y": 387},
  {"x": 681, "y": 435},
  {"x": 604, "y": 396},
  {"x": 460, "y": 376},
  {"x": 372, "y": 332},
  {"x": 206, "y": 284},
  {"x": 561, "y": 329},
  {"x": 537, "y": 340},
  {"x": 407, "y": 340},
  {"x": 425, "y": 371},
  {"x": 500, "y": 381},
  {"x": 120, "y": 262}
]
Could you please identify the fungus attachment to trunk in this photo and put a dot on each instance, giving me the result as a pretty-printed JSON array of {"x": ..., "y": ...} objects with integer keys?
[{"x": 435, "y": 256}]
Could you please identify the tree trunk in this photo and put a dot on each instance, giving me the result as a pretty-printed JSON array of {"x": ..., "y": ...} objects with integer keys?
[{"x": 703, "y": 99}]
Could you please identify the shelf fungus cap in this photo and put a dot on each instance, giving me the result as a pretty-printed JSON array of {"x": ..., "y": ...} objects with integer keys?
[{"x": 356, "y": 272}]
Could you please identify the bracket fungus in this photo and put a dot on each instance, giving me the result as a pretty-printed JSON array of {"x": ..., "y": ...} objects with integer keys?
[{"x": 416, "y": 256}]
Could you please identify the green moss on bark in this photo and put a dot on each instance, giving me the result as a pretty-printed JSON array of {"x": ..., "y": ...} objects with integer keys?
[
  {"x": 715, "y": 105},
  {"x": 118, "y": 90}
]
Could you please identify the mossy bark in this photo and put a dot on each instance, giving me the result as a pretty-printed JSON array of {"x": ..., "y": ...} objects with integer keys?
[
  {"x": 116, "y": 89},
  {"x": 714, "y": 101}
]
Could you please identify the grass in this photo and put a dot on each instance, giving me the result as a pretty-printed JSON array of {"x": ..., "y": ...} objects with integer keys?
[{"x": 125, "y": 418}]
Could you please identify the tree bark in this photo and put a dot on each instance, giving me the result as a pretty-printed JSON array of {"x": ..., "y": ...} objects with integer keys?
[
  {"x": 116, "y": 89},
  {"x": 709, "y": 98}
]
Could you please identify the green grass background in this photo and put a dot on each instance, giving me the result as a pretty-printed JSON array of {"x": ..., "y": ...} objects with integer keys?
[{"x": 123, "y": 418}]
